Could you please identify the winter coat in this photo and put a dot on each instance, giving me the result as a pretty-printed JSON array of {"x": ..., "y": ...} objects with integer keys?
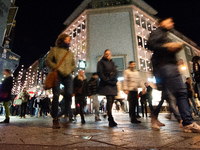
[
  {"x": 54, "y": 57},
  {"x": 92, "y": 86},
  {"x": 132, "y": 80},
  {"x": 24, "y": 96},
  {"x": 80, "y": 87},
  {"x": 107, "y": 73},
  {"x": 5, "y": 90}
]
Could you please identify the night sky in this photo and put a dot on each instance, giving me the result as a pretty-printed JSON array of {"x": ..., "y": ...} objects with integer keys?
[{"x": 39, "y": 22}]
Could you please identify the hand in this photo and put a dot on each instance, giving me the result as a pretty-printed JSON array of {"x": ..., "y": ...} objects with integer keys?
[{"x": 174, "y": 46}]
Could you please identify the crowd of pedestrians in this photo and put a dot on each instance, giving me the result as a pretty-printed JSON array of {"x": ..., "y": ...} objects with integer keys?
[{"x": 105, "y": 82}]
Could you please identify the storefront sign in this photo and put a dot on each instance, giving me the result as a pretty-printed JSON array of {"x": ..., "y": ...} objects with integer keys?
[
  {"x": 9, "y": 55},
  {"x": 82, "y": 64}
]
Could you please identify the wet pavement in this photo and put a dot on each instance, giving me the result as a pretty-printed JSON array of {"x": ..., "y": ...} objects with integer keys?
[{"x": 37, "y": 134}]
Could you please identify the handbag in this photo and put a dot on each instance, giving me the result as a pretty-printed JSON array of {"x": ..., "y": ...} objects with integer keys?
[
  {"x": 52, "y": 77},
  {"x": 18, "y": 102}
]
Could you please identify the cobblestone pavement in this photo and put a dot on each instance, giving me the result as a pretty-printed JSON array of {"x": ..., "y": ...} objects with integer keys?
[{"x": 36, "y": 133}]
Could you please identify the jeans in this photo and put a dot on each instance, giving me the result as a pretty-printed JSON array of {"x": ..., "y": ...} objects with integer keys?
[
  {"x": 23, "y": 109},
  {"x": 172, "y": 81},
  {"x": 7, "y": 110},
  {"x": 37, "y": 109},
  {"x": 150, "y": 103},
  {"x": 96, "y": 105},
  {"x": 68, "y": 89},
  {"x": 80, "y": 104}
]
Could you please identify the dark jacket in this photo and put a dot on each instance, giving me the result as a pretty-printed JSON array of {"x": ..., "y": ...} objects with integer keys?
[
  {"x": 149, "y": 92},
  {"x": 92, "y": 86},
  {"x": 6, "y": 87},
  {"x": 80, "y": 87},
  {"x": 142, "y": 98},
  {"x": 161, "y": 55},
  {"x": 189, "y": 92},
  {"x": 107, "y": 73}
]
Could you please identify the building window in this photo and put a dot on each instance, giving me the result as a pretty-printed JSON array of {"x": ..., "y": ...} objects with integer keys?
[
  {"x": 139, "y": 41},
  {"x": 142, "y": 65},
  {"x": 195, "y": 53},
  {"x": 149, "y": 26},
  {"x": 70, "y": 35},
  {"x": 74, "y": 33},
  {"x": 149, "y": 66},
  {"x": 137, "y": 20},
  {"x": 145, "y": 44},
  {"x": 79, "y": 28},
  {"x": 83, "y": 24},
  {"x": 188, "y": 50},
  {"x": 143, "y": 23},
  {"x": 154, "y": 28}
]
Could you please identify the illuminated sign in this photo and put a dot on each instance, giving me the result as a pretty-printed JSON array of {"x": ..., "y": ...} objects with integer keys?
[{"x": 81, "y": 64}]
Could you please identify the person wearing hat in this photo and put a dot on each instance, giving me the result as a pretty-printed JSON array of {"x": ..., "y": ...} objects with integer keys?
[{"x": 92, "y": 90}]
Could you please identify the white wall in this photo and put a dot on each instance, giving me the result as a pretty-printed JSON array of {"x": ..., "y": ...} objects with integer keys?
[{"x": 108, "y": 31}]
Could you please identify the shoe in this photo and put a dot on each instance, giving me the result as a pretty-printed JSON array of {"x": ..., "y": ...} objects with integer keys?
[
  {"x": 135, "y": 121},
  {"x": 97, "y": 119},
  {"x": 82, "y": 121},
  {"x": 20, "y": 117},
  {"x": 112, "y": 124},
  {"x": 168, "y": 117},
  {"x": 56, "y": 123},
  {"x": 138, "y": 116},
  {"x": 195, "y": 128},
  {"x": 104, "y": 116},
  {"x": 6, "y": 121},
  {"x": 159, "y": 123},
  {"x": 154, "y": 125},
  {"x": 24, "y": 117}
]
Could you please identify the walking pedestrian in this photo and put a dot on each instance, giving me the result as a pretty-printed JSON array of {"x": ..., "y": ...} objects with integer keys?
[
  {"x": 132, "y": 82},
  {"x": 80, "y": 94},
  {"x": 24, "y": 95},
  {"x": 5, "y": 93},
  {"x": 53, "y": 58},
  {"x": 166, "y": 72},
  {"x": 92, "y": 90},
  {"x": 149, "y": 97},
  {"x": 107, "y": 73}
]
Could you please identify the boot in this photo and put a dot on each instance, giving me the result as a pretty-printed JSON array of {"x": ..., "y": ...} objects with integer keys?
[
  {"x": 112, "y": 123},
  {"x": 82, "y": 120},
  {"x": 6, "y": 120},
  {"x": 56, "y": 123}
]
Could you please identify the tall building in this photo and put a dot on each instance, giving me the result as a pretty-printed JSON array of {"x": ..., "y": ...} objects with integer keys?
[{"x": 8, "y": 59}]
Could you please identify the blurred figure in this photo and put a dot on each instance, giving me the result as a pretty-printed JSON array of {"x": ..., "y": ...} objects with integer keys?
[
  {"x": 190, "y": 92},
  {"x": 149, "y": 95},
  {"x": 46, "y": 105},
  {"x": 92, "y": 90},
  {"x": 132, "y": 82},
  {"x": 80, "y": 94},
  {"x": 166, "y": 72},
  {"x": 53, "y": 58},
  {"x": 32, "y": 109},
  {"x": 24, "y": 95},
  {"x": 143, "y": 102},
  {"x": 107, "y": 73},
  {"x": 37, "y": 105},
  {"x": 5, "y": 93}
]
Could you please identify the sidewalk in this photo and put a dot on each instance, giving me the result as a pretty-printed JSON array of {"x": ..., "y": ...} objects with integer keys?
[{"x": 36, "y": 134}]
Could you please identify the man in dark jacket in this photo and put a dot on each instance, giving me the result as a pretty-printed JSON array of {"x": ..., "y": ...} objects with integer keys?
[
  {"x": 92, "y": 90},
  {"x": 166, "y": 71},
  {"x": 107, "y": 73},
  {"x": 149, "y": 95},
  {"x": 5, "y": 93}
]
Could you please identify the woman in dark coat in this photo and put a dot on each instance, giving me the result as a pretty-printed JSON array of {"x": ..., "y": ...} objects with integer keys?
[
  {"x": 80, "y": 94},
  {"x": 107, "y": 72},
  {"x": 5, "y": 93}
]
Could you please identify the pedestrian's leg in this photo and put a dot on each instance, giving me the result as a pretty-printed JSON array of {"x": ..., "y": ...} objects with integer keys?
[
  {"x": 142, "y": 107},
  {"x": 110, "y": 100}
]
